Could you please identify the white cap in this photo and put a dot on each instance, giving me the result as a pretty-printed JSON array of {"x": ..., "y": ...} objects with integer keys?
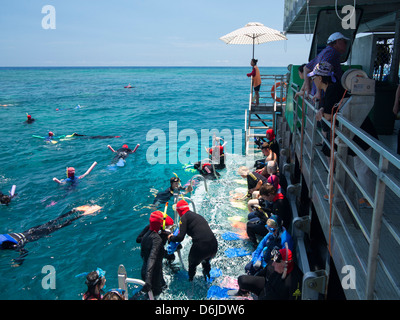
[{"x": 336, "y": 36}]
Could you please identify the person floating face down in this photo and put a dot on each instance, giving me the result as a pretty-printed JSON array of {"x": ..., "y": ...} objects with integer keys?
[
  {"x": 152, "y": 253},
  {"x": 17, "y": 241},
  {"x": 122, "y": 153},
  {"x": 204, "y": 244}
]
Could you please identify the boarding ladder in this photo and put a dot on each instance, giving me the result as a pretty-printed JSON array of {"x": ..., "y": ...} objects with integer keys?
[{"x": 262, "y": 117}]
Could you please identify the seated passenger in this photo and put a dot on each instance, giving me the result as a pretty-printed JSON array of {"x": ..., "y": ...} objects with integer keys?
[
  {"x": 280, "y": 281},
  {"x": 254, "y": 179},
  {"x": 277, "y": 236},
  {"x": 273, "y": 144},
  {"x": 270, "y": 202},
  {"x": 269, "y": 156}
]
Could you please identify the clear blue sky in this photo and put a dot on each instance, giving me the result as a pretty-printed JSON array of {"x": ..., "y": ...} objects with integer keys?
[{"x": 141, "y": 33}]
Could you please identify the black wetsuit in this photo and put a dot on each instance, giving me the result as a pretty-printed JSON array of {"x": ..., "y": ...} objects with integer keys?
[
  {"x": 164, "y": 237},
  {"x": 17, "y": 241},
  {"x": 164, "y": 196},
  {"x": 207, "y": 171},
  {"x": 83, "y": 136},
  {"x": 253, "y": 178},
  {"x": 152, "y": 253},
  {"x": 204, "y": 246},
  {"x": 269, "y": 285},
  {"x": 122, "y": 153}
]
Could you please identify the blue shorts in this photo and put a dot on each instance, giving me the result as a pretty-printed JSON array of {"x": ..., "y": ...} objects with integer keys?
[{"x": 257, "y": 88}]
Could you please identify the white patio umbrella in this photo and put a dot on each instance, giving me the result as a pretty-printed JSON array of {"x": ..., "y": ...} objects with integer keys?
[{"x": 253, "y": 33}]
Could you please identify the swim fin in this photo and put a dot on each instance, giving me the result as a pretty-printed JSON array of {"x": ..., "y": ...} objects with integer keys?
[{"x": 236, "y": 252}]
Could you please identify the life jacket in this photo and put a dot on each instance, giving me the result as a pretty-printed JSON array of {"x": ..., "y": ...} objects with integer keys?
[{"x": 257, "y": 77}]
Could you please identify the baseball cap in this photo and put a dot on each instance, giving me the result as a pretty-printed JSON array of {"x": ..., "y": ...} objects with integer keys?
[{"x": 336, "y": 36}]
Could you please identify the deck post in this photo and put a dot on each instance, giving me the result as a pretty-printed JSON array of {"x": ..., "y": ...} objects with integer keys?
[{"x": 376, "y": 229}]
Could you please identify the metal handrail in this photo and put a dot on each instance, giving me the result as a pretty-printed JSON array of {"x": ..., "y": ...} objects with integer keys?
[{"x": 383, "y": 180}]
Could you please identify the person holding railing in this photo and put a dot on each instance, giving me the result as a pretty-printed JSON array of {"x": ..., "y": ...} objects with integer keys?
[
  {"x": 336, "y": 46},
  {"x": 255, "y": 74}
]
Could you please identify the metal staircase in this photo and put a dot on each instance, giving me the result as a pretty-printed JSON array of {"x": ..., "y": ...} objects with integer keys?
[{"x": 263, "y": 116}]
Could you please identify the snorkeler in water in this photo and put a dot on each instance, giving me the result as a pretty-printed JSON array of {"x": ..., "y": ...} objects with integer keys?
[
  {"x": 17, "y": 241},
  {"x": 174, "y": 190},
  {"x": 71, "y": 178},
  {"x": 6, "y": 199},
  {"x": 29, "y": 119},
  {"x": 122, "y": 153}
]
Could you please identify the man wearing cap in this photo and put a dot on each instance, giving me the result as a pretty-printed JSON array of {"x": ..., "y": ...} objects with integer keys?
[
  {"x": 336, "y": 46},
  {"x": 204, "y": 244}
]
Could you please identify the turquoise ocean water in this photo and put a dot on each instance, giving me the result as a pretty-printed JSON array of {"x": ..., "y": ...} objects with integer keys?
[{"x": 192, "y": 98}]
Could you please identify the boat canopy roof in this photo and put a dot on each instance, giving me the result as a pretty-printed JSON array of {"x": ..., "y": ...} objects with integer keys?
[{"x": 377, "y": 16}]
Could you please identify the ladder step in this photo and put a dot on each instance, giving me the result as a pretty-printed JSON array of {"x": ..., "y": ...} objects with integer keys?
[
  {"x": 257, "y": 135},
  {"x": 264, "y": 127}
]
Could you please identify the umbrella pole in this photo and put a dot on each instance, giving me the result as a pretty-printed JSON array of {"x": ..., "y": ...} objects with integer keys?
[{"x": 253, "y": 47}]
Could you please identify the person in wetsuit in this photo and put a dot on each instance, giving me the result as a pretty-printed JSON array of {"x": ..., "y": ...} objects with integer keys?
[
  {"x": 122, "y": 153},
  {"x": 152, "y": 253},
  {"x": 29, "y": 119},
  {"x": 204, "y": 244},
  {"x": 17, "y": 241},
  {"x": 270, "y": 202},
  {"x": 164, "y": 233},
  {"x": 173, "y": 191},
  {"x": 281, "y": 280},
  {"x": 5, "y": 199},
  {"x": 207, "y": 170}
]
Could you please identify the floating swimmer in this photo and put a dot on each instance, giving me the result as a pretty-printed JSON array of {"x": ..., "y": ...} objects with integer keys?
[
  {"x": 122, "y": 154},
  {"x": 6, "y": 199},
  {"x": 29, "y": 119},
  {"x": 83, "y": 136},
  {"x": 129, "y": 86},
  {"x": 17, "y": 241},
  {"x": 77, "y": 107},
  {"x": 50, "y": 137},
  {"x": 71, "y": 175}
]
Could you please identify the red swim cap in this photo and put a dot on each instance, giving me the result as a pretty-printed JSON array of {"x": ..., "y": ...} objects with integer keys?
[
  {"x": 29, "y": 116},
  {"x": 156, "y": 221},
  {"x": 271, "y": 134},
  {"x": 182, "y": 207},
  {"x": 51, "y": 134},
  {"x": 125, "y": 146}
]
